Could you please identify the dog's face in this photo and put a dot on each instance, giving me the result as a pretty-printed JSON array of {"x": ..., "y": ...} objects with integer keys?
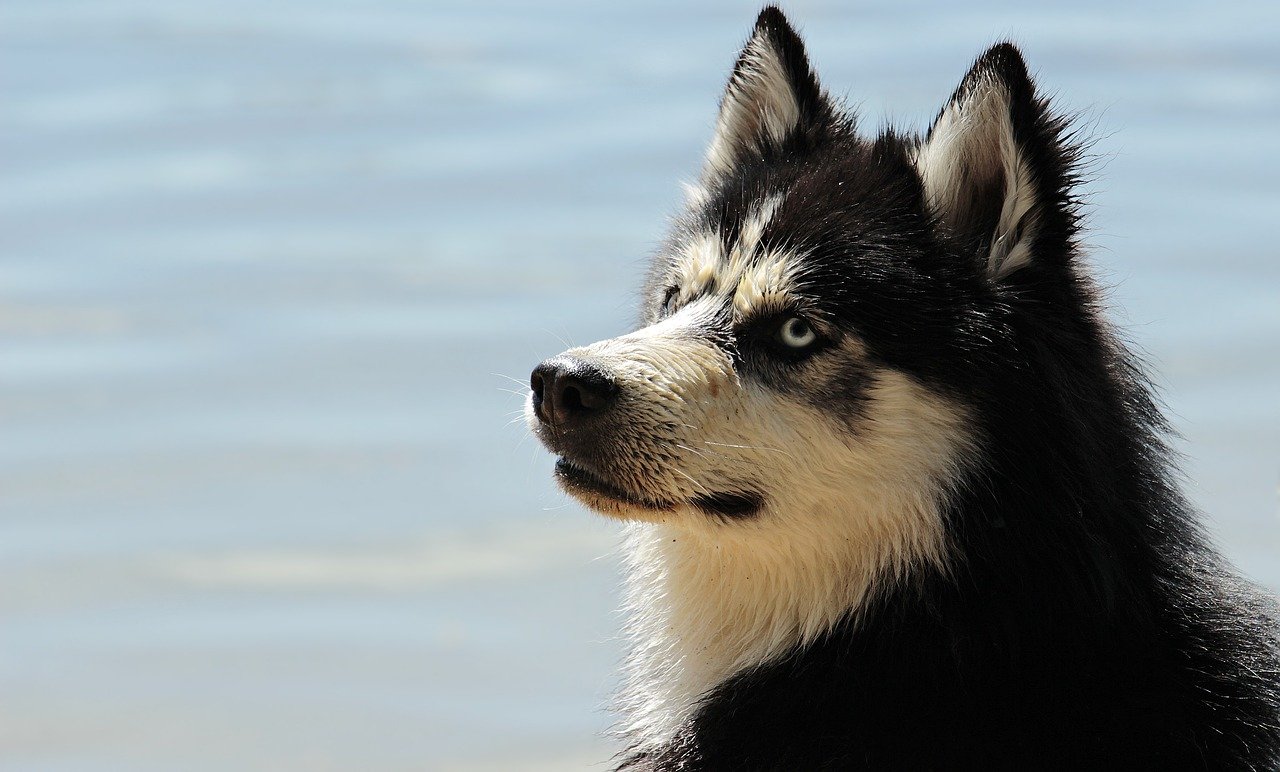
[
  {"x": 751, "y": 391},
  {"x": 813, "y": 329}
]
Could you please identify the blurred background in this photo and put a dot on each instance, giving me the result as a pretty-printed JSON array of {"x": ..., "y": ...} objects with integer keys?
[{"x": 273, "y": 275}]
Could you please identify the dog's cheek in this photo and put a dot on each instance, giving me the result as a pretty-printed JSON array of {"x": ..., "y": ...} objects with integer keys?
[{"x": 744, "y": 440}]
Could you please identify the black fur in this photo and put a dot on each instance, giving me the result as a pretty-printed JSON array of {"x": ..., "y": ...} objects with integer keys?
[{"x": 1085, "y": 623}]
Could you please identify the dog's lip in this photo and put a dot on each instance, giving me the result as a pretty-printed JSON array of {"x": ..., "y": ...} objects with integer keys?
[
  {"x": 576, "y": 478},
  {"x": 734, "y": 505}
]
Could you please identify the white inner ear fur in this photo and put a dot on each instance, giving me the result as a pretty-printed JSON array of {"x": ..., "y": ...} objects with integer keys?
[
  {"x": 759, "y": 102},
  {"x": 970, "y": 146}
]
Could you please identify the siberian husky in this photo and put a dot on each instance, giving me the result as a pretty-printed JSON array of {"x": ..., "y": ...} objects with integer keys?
[{"x": 896, "y": 496}]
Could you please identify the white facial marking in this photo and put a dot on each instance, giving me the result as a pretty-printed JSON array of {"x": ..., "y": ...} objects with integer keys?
[
  {"x": 766, "y": 284},
  {"x": 760, "y": 279}
]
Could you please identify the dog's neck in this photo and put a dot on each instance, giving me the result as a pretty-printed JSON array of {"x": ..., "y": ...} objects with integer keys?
[{"x": 705, "y": 604}]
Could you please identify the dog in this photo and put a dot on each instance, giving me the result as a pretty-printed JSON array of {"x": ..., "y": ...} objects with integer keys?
[{"x": 895, "y": 494}]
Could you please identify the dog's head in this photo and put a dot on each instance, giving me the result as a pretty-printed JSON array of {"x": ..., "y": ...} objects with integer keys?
[{"x": 814, "y": 330}]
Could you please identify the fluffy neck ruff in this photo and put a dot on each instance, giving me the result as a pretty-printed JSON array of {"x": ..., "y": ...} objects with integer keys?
[{"x": 707, "y": 603}]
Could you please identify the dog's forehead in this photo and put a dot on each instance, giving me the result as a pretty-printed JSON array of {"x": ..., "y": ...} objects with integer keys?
[
  {"x": 761, "y": 236},
  {"x": 738, "y": 264}
]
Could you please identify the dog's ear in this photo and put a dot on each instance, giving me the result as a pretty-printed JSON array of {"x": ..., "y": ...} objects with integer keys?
[
  {"x": 772, "y": 98},
  {"x": 994, "y": 167}
]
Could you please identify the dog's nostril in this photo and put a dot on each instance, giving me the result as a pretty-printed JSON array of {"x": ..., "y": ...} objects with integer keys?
[
  {"x": 535, "y": 384},
  {"x": 571, "y": 399},
  {"x": 584, "y": 390}
]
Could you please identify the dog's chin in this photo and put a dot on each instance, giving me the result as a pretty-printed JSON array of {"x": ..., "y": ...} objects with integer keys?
[
  {"x": 609, "y": 499},
  {"x": 605, "y": 497}
]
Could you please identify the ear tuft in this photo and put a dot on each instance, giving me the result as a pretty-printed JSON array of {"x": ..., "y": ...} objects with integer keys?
[
  {"x": 987, "y": 161},
  {"x": 771, "y": 97}
]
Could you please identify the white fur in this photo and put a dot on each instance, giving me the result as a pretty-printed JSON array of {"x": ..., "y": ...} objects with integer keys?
[
  {"x": 695, "y": 195},
  {"x": 766, "y": 284},
  {"x": 971, "y": 143},
  {"x": 759, "y": 279}
]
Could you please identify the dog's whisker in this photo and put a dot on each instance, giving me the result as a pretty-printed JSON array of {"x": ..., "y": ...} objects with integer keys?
[
  {"x": 691, "y": 450},
  {"x": 516, "y": 381},
  {"x": 747, "y": 447},
  {"x": 696, "y": 484},
  {"x": 713, "y": 453},
  {"x": 564, "y": 341}
]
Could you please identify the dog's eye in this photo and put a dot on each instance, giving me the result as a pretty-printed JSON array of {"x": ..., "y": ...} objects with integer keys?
[{"x": 795, "y": 332}]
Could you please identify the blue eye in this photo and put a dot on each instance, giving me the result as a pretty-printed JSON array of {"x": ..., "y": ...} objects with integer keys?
[{"x": 795, "y": 332}]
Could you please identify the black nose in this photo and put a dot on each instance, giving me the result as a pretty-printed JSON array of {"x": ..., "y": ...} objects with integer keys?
[{"x": 568, "y": 390}]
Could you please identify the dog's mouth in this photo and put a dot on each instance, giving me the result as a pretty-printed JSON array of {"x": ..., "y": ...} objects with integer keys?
[
  {"x": 579, "y": 481},
  {"x": 596, "y": 491}
]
